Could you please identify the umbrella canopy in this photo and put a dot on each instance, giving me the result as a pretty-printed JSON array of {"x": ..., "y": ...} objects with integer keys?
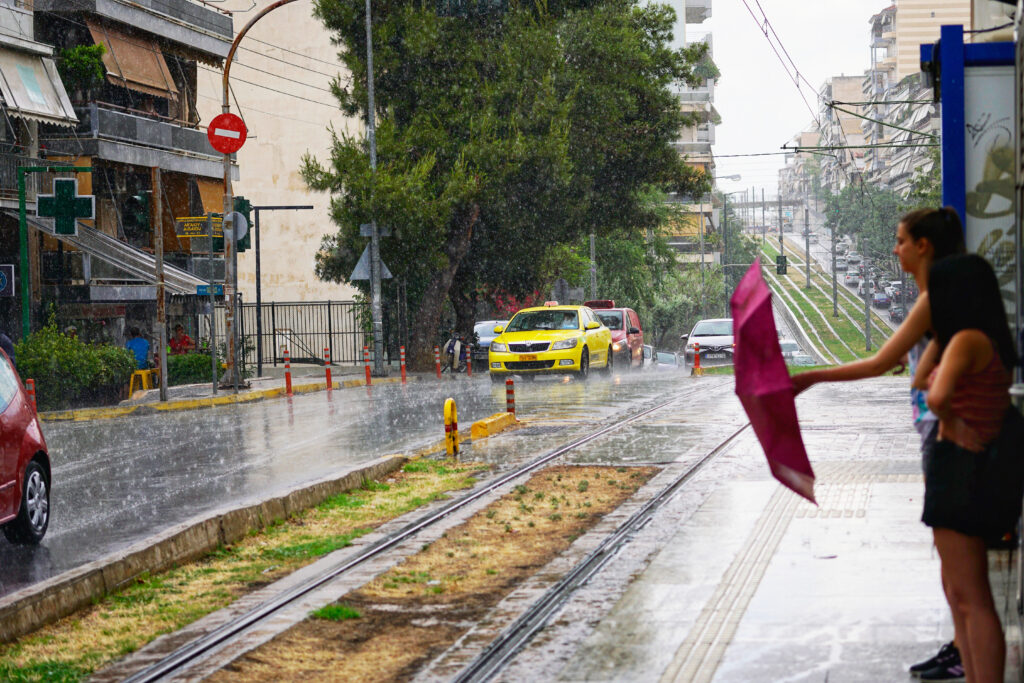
[{"x": 763, "y": 384}]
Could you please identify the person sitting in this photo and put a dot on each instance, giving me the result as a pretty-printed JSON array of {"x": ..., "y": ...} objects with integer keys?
[
  {"x": 140, "y": 347},
  {"x": 181, "y": 343}
]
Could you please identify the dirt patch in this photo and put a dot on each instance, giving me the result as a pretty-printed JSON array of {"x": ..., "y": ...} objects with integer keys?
[
  {"x": 412, "y": 613},
  {"x": 75, "y": 646}
]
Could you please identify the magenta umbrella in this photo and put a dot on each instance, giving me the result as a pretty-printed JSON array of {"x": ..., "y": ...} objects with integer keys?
[{"x": 764, "y": 386}]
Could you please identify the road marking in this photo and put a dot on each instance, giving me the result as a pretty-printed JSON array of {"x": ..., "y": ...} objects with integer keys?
[
  {"x": 698, "y": 657},
  {"x": 224, "y": 132}
]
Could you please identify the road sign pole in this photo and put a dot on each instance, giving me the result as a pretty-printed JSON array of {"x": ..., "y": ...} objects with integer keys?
[{"x": 215, "y": 369}]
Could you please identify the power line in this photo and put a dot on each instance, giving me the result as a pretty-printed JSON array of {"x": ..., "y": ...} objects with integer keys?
[{"x": 267, "y": 87}]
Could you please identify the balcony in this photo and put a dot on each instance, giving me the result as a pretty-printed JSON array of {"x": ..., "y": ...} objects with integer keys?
[
  {"x": 120, "y": 136},
  {"x": 195, "y": 25},
  {"x": 697, "y": 11},
  {"x": 9, "y": 164}
]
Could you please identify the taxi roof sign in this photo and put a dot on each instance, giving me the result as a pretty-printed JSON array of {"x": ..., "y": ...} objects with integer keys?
[
  {"x": 600, "y": 303},
  {"x": 551, "y": 303}
]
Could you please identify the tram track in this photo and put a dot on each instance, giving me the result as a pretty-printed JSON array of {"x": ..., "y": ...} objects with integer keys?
[{"x": 183, "y": 657}]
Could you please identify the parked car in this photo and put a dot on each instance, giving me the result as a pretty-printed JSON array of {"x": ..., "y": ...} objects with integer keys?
[
  {"x": 550, "y": 339},
  {"x": 484, "y": 332},
  {"x": 715, "y": 339},
  {"x": 880, "y": 300},
  {"x": 897, "y": 313},
  {"x": 627, "y": 334},
  {"x": 24, "y": 463},
  {"x": 853, "y": 258},
  {"x": 789, "y": 348},
  {"x": 842, "y": 248},
  {"x": 841, "y": 263},
  {"x": 800, "y": 359},
  {"x": 667, "y": 359}
]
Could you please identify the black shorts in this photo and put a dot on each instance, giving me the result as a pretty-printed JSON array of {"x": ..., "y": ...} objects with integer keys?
[{"x": 977, "y": 494}]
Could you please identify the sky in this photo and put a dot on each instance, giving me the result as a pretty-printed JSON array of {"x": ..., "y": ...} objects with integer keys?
[{"x": 760, "y": 106}]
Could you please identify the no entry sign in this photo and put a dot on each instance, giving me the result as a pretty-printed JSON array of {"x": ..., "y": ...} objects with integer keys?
[{"x": 226, "y": 133}]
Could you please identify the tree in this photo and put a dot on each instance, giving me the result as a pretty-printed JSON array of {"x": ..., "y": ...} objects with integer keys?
[
  {"x": 502, "y": 135},
  {"x": 870, "y": 215}
]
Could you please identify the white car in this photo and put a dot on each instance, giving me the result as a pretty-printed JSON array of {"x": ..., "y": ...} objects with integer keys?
[
  {"x": 715, "y": 339},
  {"x": 789, "y": 348}
]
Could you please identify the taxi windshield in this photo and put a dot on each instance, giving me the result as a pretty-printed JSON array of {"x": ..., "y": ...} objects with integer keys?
[
  {"x": 611, "y": 319},
  {"x": 544, "y": 320}
]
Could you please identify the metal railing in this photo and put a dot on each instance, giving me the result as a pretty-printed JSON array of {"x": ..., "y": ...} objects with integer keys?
[{"x": 34, "y": 182}]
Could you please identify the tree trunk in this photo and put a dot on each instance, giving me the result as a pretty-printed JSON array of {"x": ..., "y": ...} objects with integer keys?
[
  {"x": 463, "y": 300},
  {"x": 428, "y": 315}
]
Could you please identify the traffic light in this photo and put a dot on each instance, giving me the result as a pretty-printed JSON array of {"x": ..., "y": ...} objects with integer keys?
[
  {"x": 244, "y": 207},
  {"x": 780, "y": 264}
]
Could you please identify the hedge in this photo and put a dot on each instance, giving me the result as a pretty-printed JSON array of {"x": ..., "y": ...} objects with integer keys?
[{"x": 71, "y": 374}]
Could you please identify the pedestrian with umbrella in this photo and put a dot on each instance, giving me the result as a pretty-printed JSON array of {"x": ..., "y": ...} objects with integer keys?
[{"x": 923, "y": 237}]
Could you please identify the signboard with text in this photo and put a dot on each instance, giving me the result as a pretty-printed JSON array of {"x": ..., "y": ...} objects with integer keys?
[
  {"x": 198, "y": 226},
  {"x": 6, "y": 279}
]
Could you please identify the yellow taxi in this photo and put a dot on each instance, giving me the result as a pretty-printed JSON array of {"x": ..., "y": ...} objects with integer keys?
[{"x": 550, "y": 339}]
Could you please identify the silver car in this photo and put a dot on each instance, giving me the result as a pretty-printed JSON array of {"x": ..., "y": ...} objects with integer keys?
[
  {"x": 715, "y": 339},
  {"x": 483, "y": 330}
]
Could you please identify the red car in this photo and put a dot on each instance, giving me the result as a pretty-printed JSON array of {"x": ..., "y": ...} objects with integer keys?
[
  {"x": 24, "y": 463},
  {"x": 627, "y": 335}
]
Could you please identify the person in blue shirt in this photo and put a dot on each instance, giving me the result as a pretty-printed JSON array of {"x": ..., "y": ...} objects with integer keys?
[{"x": 140, "y": 347}]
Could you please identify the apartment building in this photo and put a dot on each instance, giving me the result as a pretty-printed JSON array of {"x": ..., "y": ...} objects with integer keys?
[
  {"x": 796, "y": 178},
  {"x": 840, "y": 119},
  {"x": 694, "y": 143},
  {"x": 135, "y": 123},
  {"x": 280, "y": 86}
]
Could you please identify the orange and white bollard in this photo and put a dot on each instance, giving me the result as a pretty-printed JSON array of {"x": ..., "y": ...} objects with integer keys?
[
  {"x": 469, "y": 360},
  {"x": 366, "y": 362},
  {"x": 696, "y": 360},
  {"x": 30, "y": 386},
  {"x": 287, "y": 373},
  {"x": 510, "y": 396},
  {"x": 437, "y": 361},
  {"x": 401, "y": 356},
  {"x": 327, "y": 368}
]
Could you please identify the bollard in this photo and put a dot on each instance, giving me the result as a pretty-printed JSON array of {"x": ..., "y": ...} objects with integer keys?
[
  {"x": 437, "y": 361},
  {"x": 366, "y": 362},
  {"x": 401, "y": 356},
  {"x": 696, "y": 360},
  {"x": 287, "y": 373},
  {"x": 469, "y": 360},
  {"x": 451, "y": 427},
  {"x": 30, "y": 385},
  {"x": 327, "y": 368},
  {"x": 510, "y": 396}
]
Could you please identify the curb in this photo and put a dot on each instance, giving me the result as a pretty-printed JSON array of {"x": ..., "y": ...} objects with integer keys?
[
  {"x": 492, "y": 425},
  {"x": 107, "y": 413},
  {"x": 29, "y": 609}
]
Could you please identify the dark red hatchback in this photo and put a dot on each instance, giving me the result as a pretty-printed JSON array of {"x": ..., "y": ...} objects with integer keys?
[
  {"x": 627, "y": 335},
  {"x": 24, "y": 463}
]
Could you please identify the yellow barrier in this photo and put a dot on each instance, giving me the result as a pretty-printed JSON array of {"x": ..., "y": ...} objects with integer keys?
[{"x": 492, "y": 425}]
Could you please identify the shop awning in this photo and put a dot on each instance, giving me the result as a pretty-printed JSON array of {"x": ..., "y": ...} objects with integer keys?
[
  {"x": 32, "y": 89},
  {"x": 134, "y": 62},
  {"x": 212, "y": 194}
]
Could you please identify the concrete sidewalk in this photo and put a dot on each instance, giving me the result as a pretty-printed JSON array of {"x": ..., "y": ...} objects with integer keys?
[{"x": 760, "y": 585}]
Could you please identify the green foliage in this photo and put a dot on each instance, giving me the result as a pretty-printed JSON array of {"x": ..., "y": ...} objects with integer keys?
[
  {"x": 926, "y": 191},
  {"x": 189, "y": 368},
  {"x": 870, "y": 215},
  {"x": 48, "y": 670},
  {"x": 502, "y": 142},
  {"x": 81, "y": 66},
  {"x": 336, "y": 613},
  {"x": 69, "y": 373}
]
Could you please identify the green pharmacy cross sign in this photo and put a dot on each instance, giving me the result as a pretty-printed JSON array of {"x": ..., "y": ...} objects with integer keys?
[{"x": 66, "y": 206}]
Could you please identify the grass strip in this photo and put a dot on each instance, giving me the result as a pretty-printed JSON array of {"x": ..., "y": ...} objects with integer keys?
[
  {"x": 416, "y": 610},
  {"x": 80, "y": 644}
]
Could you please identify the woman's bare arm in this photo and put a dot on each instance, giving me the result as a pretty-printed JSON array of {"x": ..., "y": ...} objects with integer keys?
[
  {"x": 925, "y": 365},
  {"x": 918, "y": 321}
]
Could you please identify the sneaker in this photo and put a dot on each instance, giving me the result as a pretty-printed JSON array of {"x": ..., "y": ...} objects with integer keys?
[
  {"x": 947, "y": 655},
  {"x": 944, "y": 672}
]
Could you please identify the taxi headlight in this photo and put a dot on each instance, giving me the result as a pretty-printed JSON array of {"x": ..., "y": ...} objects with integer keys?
[
  {"x": 617, "y": 346},
  {"x": 565, "y": 344},
  {"x": 498, "y": 347}
]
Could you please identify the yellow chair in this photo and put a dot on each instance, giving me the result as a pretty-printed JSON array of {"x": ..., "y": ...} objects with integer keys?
[{"x": 147, "y": 380}]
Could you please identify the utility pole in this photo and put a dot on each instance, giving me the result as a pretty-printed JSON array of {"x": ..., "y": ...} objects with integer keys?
[
  {"x": 375, "y": 266},
  {"x": 158, "y": 253},
  {"x": 835, "y": 291},
  {"x": 781, "y": 248},
  {"x": 807, "y": 246},
  {"x": 764, "y": 221},
  {"x": 725, "y": 251},
  {"x": 703, "y": 311},
  {"x": 593, "y": 267},
  {"x": 867, "y": 306}
]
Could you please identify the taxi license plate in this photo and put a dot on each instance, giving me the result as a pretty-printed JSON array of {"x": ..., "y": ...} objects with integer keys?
[
  {"x": 714, "y": 355},
  {"x": 528, "y": 356}
]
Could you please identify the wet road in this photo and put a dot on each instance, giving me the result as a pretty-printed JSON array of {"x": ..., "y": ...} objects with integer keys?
[{"x": 116, "y": 482}]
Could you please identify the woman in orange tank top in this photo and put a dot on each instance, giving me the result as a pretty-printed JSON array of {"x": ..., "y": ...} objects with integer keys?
[{"x": 969, "y": 365}]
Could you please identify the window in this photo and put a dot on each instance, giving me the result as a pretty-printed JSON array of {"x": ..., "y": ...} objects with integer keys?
[
  {"x": 544, "y": 320},
  {"x": 713, "y": 328},
  {"x": 611, "y": 319},
  {"x": 8, "y": 383}
]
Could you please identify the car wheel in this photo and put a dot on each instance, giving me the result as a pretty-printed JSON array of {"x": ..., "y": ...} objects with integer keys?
[
  {"x": 29, "y": 526},
  {"x": 584, "y": 370},
  {"x": 610, "y": 364}
]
